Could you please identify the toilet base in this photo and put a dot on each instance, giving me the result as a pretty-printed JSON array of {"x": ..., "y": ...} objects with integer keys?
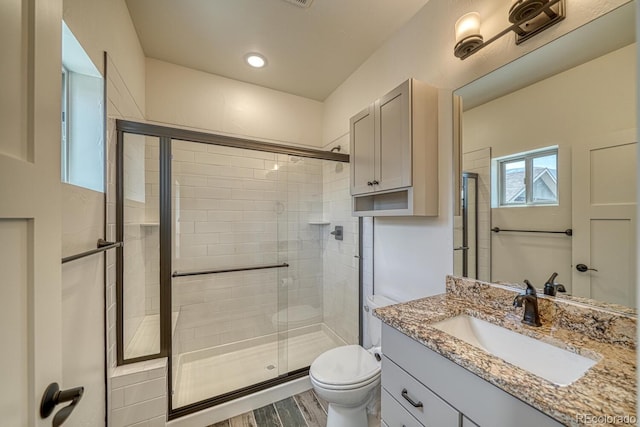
[{"x": 341, "y": 416}]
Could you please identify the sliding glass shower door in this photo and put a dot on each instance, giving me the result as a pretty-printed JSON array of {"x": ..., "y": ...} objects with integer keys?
[
  {"x": 230, "y": 256},
  {"x": 230, "y": 228}
]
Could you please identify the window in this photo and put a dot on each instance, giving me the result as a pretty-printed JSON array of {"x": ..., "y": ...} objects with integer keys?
[
  {"x": 64, "y": 161},
  {"x": 82, "y": 121},
  {"x": 529, "y": 178}
]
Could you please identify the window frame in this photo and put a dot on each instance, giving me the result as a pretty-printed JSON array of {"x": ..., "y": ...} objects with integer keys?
[
  {"x": 528, "y": 158},
  {"x": 64, "y": 124}
]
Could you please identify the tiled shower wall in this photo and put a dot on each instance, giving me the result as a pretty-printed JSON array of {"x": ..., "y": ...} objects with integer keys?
[
  {"x": 237, "y": 208},
  {"x": 479, "y": 162},
  {"x": 136, "y": 392}
]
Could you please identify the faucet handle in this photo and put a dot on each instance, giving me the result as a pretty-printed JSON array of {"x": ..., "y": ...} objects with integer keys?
[
  {"x": 530, "y": 289},
  {"x": 552, "y": 278}
]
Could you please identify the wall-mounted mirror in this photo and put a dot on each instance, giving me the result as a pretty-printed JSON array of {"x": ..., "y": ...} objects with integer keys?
[{"x": 548, "y": 165}]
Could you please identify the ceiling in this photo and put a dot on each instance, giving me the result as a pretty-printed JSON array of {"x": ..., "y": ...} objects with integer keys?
[{"x": 310, "y": 51}]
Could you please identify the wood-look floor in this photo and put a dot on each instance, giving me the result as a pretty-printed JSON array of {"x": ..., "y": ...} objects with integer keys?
[{"x": 301, "y": 410}]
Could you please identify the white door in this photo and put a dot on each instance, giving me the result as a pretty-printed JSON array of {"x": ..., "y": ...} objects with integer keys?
[
  {"x": 604, "y": 219},
  {"x": 30, "y": 323}
]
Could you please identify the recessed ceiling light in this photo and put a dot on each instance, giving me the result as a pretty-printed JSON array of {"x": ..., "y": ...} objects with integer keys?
[{"x": 255, "y": 60}]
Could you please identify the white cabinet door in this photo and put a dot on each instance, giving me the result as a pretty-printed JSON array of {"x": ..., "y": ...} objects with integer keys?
[
  {"x": 362, "y": 152},
  {"x": 30, "y": 221},
  {"x": 393, "y": 139},
  {"x": 604, "y": 219}
]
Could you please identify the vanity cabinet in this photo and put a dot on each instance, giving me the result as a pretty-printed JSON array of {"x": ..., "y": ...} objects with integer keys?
[
  {"x": 442, "y": 393},
  {"x": 394, "y": 153}
]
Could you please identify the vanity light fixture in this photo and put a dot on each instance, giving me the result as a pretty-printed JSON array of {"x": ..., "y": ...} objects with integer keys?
[
  {"x": 527, "y": 17},
  {"x": 255, "y": 60}
]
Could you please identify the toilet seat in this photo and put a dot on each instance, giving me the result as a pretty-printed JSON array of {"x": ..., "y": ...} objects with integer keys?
[{"x": 345, "y": 368}]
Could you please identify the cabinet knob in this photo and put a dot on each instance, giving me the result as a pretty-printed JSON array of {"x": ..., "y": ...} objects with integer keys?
[
  {"x": 369, "y": 183},
  {"x": 375, "y": 182}
]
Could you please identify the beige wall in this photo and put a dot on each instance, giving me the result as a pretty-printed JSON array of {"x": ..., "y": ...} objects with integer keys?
[
  {"x": 413, "y": 255},
  {"x": 105, "y": 25},
  {"x": 184, "y": 97}
]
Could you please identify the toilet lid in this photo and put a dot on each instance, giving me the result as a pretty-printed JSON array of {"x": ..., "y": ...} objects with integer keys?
[{"x": 349, "y": 364}]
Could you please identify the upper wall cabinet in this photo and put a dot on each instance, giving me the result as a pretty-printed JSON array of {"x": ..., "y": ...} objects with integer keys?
[{"x": 394, "y": 153}]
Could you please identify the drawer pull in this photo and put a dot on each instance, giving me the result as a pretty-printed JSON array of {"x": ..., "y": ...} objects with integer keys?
[{"x": 415, "y": 404}]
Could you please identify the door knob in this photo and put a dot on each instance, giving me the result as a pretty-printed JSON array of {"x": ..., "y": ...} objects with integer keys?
[
  {"x": 53, "y": 396},
  {"x": 582, "y": 268}
]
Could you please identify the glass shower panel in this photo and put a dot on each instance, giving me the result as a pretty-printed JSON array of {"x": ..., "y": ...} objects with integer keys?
[
  {"x": 301, "y": 284},
  {"x": 141, "y": 273},
  {"x": 340, "y": 279},
  {"x": 228, "y": 217}
]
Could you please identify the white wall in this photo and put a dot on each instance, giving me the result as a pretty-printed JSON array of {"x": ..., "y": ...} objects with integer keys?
[
  {"x": 413, "y": 255},
  {"x": 83, "y": 302},
  {"x": 184, "y": 97},
  {"x": 593, "y": 99}
]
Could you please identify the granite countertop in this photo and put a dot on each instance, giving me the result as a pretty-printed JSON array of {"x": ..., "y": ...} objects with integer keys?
[{"x": 598, "y": 332}]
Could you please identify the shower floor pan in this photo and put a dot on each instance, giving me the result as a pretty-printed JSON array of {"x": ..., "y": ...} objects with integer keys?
[{"x": 207, "y": 373}]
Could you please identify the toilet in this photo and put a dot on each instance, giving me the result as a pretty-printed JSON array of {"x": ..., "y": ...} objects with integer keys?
[{"x": 348, "y": 377}]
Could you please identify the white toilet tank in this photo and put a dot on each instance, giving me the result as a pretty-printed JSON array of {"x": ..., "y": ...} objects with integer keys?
[{"x": 375, "y": 325}]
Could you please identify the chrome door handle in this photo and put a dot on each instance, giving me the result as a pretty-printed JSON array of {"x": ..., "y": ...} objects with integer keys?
[{"x": 413, "y": 403}]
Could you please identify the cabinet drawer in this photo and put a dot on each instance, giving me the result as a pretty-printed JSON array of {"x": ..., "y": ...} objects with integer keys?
[
  {"x": 466, "y": 422},
  {"x": 394, "y": 415},
  {"x": 427, "y": 408}
]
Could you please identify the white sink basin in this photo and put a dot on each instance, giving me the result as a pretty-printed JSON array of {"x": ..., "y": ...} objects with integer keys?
[{"x": 552, "y": 363}]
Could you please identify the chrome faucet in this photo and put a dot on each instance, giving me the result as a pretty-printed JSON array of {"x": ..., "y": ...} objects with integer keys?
[{"x": 530, "y": 301}]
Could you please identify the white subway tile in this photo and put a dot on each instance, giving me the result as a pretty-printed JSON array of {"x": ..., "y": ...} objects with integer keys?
[
  {"x": 129, "y": 415},
  {"x": 213, "y": 193},
  {"x": 182, "y": 155},
  {"x": 211, "y": 227},
  {"x": 143, "y": 391}
]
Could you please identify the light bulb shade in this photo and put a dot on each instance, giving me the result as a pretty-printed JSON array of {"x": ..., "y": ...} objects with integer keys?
[
  {"x": 468, "y": 26},
  {"x": 468, "y": 37}
]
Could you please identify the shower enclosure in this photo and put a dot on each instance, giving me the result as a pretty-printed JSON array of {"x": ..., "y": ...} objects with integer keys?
[{"x": 228, "y": 266}]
